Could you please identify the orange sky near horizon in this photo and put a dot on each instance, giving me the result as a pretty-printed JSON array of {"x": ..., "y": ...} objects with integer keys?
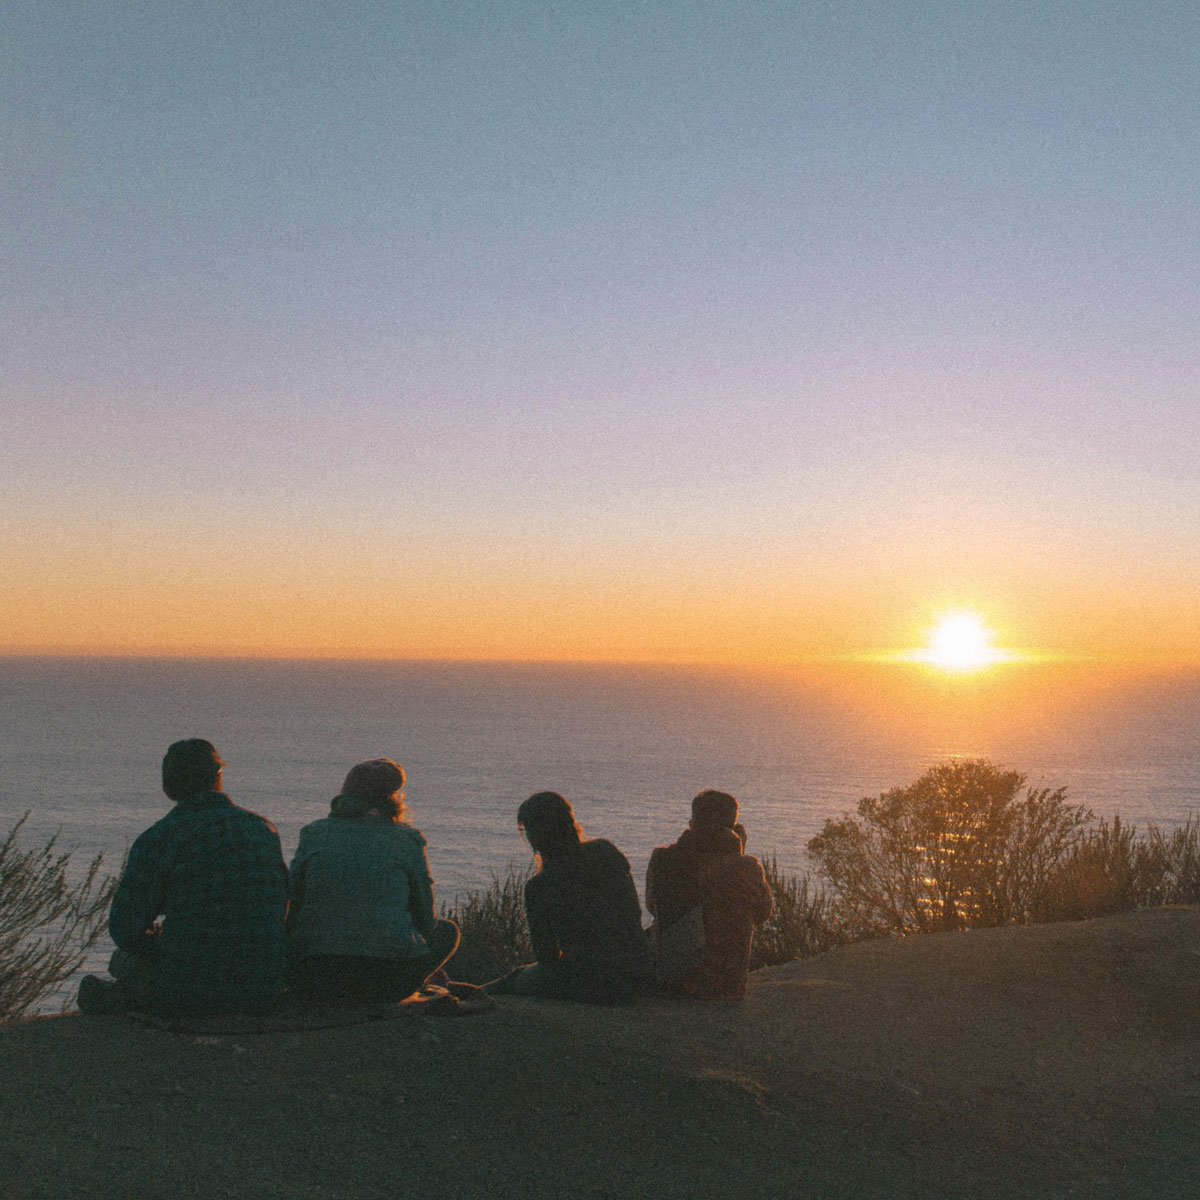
[{"x": 330, "y": 603}]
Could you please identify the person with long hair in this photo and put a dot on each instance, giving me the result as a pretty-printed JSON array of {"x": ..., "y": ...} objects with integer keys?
[
  {"x": 585, "y": 922},
  {"x": 361, "y": 924}
]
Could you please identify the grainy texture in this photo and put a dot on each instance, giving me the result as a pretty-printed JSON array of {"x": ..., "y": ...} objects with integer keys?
[{"x": 1056, "y": 1060}]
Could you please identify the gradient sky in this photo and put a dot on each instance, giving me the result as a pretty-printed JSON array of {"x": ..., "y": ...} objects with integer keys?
[{"x": 633, "y": 331}]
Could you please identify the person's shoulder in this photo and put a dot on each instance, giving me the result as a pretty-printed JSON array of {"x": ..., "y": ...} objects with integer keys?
[
  {"x": 602, "y": 850},
  {"x": 162, "y": 829},
  {"x": 749, "y": 865},
  {"x": 667, "y": 852},
  {"x": 256, "y": 820},
  {"x": 537, "y": 886},
  {"x": 408, "y": 836},
  {"x": 409, "y": 832}
]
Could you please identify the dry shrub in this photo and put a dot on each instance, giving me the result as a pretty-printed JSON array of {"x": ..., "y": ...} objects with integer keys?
[
  {"x": 47, "y": 923},
  {"x": 960, "y": 848},
  {"x": 495, "y": 937},
  {"x": 1113, "y": 869},
  {"x": 803, "y": 921}
]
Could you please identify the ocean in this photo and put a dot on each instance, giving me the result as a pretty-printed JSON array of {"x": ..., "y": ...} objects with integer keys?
[{"x": 81, "y": 741}]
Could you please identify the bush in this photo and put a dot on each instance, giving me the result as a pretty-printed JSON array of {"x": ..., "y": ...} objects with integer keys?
[
  {"x": 495, "y": 937},
  {"x": 1112, "y": 869},
  {"x": 955, "y": 849},
  {"x": 802, "y": 923},
  {"x": 47, "y": 923},
  {"x": 1168, "y": 866}
]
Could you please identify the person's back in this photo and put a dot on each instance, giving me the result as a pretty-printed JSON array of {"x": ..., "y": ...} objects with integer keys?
[
  {"x": 587, "y": 903},
  {"x": 214, "y": 874},
  {"x": 585, "y": 921},
  {"x": 358, "y": 878},
  {"x": 707, "y": 868}
]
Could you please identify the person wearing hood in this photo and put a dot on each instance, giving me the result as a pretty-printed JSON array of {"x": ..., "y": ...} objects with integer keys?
[
  {"x": 361, "y": 923},
  {"x": 706, "y": 895}
]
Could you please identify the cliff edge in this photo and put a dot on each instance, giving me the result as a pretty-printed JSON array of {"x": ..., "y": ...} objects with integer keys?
[{"x": 1052, "y": 1060}]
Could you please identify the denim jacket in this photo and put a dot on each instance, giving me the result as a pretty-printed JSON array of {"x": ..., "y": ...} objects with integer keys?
[{"x": 360, "y": 886}]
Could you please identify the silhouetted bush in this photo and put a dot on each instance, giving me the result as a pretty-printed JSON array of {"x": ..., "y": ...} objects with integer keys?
[
  {"x": 1168, "y": 869},
  {"x": 803, "y": 922},
  {"x": 47, "y": 923},
  {"x": 1112, "y": 869},
  {"x": 495, "y": 937},
  {"x": 955, "y": 849}
]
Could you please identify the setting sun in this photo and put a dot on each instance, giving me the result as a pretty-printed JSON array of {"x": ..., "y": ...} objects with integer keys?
[{"x": 960, "y": 642}]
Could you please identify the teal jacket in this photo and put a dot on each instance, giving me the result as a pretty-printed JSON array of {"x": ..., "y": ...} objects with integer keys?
[{"x": 360, "y": 886}]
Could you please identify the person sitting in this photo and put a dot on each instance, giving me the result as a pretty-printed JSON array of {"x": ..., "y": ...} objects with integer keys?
[
  {"x": 707, "y": 870},
  {"x": 585, "y": 922},
  {"x": 361, "y": 926},
  {"x": 215, "y": 875}
]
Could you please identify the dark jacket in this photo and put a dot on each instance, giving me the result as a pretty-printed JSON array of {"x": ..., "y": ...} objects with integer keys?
[
  {"x": 215, "y": 875},
  {"x": 706, "y": 867},
  {"x": 586, "y": 923}
]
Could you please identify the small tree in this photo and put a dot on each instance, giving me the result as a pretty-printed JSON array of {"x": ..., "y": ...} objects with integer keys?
[
  {"x": 47, "y": 923},
  {"x": 956, "y": 848}
]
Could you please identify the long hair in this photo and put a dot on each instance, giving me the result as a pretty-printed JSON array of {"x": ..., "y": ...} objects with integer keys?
[{"x": 550, "y": 826}]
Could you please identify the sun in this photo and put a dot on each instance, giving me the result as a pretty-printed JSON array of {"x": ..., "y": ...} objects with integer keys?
[{"x": 960, "y": 642}]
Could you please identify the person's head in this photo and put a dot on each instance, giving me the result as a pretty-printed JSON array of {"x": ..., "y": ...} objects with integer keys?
[
  {"x": 376, "y": 784},
  {"x": 190, "y": 766},
  {"x": 549, "y": 825},
  {"x": 712, "y": 809}
]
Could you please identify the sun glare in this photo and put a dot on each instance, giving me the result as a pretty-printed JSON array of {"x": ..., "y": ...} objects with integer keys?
[{"x": 960, "y": 642}]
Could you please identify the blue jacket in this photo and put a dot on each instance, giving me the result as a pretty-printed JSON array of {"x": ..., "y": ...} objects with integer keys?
[{"x": 360, "y": 886}]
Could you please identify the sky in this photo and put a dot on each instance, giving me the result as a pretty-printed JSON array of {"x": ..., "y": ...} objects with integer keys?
[{"x": 739, "y": 332}]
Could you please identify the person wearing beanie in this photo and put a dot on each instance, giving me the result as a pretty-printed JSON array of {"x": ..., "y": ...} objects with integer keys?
[
  {"x": 706, "y": 895},
  {"x": 361, "y": 924}
]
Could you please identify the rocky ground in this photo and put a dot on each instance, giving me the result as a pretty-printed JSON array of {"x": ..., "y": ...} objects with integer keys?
[{"x": 1057, "y": 1060}]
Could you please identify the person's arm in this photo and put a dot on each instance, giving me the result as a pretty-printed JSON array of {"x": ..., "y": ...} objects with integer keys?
[
  {"x": 757, "y": 889},
  {"x": 543, "y": 936},
  {"x": 420, "y": 893},
  {"x": 652, "y": 884},
  {"x": 296, "y": 881},
  {"x": 140, "y": 896}
]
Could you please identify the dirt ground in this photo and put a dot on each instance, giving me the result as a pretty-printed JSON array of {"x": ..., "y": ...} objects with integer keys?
[{"x": 1058, "y": 1060}]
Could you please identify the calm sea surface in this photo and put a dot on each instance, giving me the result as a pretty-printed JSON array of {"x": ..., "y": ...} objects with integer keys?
[{"x": 81, "y": 741}]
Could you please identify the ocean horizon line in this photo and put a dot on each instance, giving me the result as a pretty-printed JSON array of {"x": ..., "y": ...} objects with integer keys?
[{"x": 906, "y": 658}]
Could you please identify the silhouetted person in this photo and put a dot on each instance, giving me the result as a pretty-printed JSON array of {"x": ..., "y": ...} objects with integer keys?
[
  {"x": 214, "y": 874},
  {"x": 361, "y": 924},
  {"x": 585, "y": 922},
  {"x": 706, "y": 870}
]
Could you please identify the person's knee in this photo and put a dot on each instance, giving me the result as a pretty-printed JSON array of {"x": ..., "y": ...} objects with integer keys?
[{"x": 446, "y": 934}]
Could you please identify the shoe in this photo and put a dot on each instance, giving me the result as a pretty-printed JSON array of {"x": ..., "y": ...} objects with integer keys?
[{"x": 100, "y": 996}]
